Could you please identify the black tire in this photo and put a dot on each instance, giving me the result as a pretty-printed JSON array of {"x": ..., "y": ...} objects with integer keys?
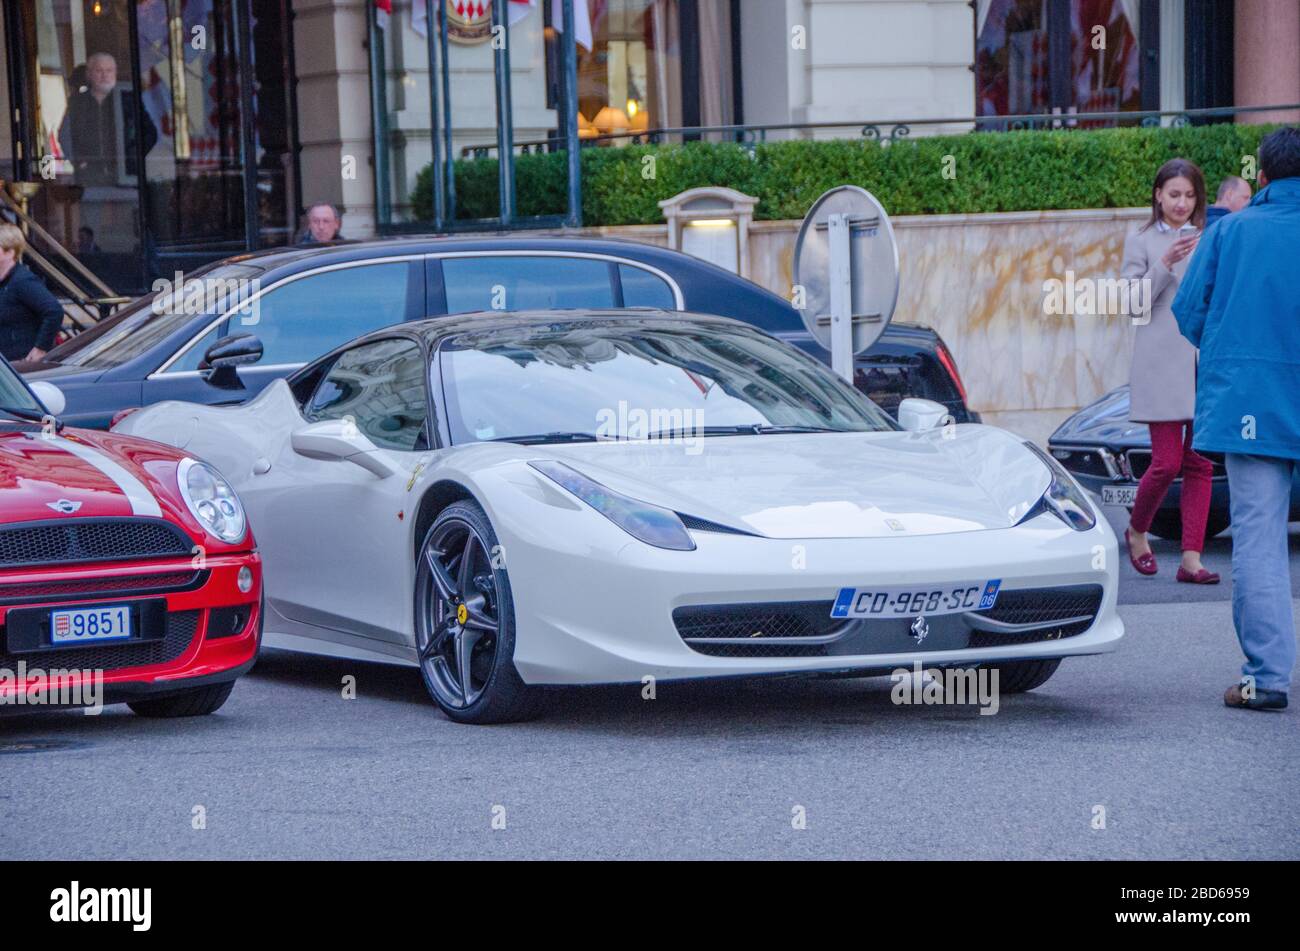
[
  {"x": 197, "y": 702},
  {"x": 1017, "y": 676},
  {"x": 1169, "y": 524},
  {"x": 479, "y": 583}
]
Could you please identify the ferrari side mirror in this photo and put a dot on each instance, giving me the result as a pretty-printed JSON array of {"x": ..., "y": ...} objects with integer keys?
[
  {"x": 918, "y": 416},
  {"x": 339, "y": 440}
]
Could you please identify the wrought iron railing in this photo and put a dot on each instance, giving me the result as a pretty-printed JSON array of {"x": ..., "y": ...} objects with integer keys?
[{"x": 888, "y": 131}]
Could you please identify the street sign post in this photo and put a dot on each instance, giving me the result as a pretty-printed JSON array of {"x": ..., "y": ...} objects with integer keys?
[{"x": 846, "y": 272}]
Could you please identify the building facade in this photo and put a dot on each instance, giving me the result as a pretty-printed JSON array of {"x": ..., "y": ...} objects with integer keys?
[{"x": 147, "y": 136}]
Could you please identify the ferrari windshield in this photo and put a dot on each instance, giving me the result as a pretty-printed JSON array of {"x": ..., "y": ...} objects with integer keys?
[
  {"x": 142, "y": 323},
  {"x": 635, "y": 380}
]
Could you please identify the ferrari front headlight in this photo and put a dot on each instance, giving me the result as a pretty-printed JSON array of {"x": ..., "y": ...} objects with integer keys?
[
  {"x": 1063, "y": 497},
  {"x": 649, "y": 523},
  {"x": 212, "y": 501}
]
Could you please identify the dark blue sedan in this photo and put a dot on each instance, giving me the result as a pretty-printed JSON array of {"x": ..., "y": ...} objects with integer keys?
[
  {"x": 1108, "y": 455},
  {"x": 235, "y": 326}
]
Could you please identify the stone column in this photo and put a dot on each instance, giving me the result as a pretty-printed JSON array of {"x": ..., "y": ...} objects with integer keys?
[
  {"x": 334, "y": 125},
  {"x": 1266, "y": 58}
]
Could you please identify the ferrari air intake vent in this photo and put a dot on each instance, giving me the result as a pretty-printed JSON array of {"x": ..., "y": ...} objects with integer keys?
[
  {"x": 716, "y": 629},
  {"x": 806, "y": 629},
  {"x": 179, "y": 635},
  {"x": 1034, "y": 610},
  {"x": 704, "y": 525},
  {"x": 78, "y": 541}
]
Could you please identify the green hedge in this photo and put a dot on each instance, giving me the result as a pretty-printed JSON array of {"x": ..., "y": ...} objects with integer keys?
[{"x": 994, "y": 171}]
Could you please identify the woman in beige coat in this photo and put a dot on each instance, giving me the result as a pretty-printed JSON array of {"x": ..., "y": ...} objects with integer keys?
[{"x": 1162, "y": 381}]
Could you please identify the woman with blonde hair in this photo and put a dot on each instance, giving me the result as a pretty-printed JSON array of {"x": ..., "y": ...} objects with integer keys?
[
  {"x": 1162, "y": 381},
  {"x": 30, "y": 316}
]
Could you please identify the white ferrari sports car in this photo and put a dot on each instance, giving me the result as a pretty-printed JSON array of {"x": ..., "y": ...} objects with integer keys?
[{"x": 518, "y": 501}]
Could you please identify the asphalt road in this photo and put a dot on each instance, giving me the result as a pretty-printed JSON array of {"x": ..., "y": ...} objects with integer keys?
[{"x": 290, "y": 769}]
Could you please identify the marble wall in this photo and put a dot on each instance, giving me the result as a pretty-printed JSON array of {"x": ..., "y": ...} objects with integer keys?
[{"x": 978, "y": 280}]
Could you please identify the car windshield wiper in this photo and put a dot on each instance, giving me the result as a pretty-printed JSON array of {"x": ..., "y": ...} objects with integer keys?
[
  {"x": 539, "y": 438},
  {"x": 744, "y": 429},
  {"x": 778, "y": 430}
]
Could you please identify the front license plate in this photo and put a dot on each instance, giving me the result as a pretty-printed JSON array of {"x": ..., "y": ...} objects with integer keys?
[
  {"x": 1119, "y": 494},
  {"x": 77, "y": 626},
  {"x": 909, "y": 601}
]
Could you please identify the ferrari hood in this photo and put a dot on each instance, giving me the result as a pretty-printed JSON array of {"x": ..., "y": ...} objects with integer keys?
[
  {"x": 829, "y": 485},
  {"x": 79, "y": 475}
]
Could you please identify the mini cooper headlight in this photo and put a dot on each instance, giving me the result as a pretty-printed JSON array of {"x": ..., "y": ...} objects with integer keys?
[
  {"x": 1063, "y": 497},
  {"x": 212, "y": 501},
  {"x": 651, "y": 524}
]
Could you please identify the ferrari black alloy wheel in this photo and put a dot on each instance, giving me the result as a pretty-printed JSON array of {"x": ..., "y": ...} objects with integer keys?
[{"x": 464, "y": 622}]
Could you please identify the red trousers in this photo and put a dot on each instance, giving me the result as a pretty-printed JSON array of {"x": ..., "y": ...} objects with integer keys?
[{"x": 1171, "y": 454}]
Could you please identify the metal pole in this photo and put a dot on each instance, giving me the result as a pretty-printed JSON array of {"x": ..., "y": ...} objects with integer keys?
[
  {"x": 444, "y": 66},
  {"x": 379, "y": 108},
  {"x": 439, "y": 201},
  {"x": 841, "y": 288},
  {"x": 573, "y": 143},
  {"x": 505, "y": 127},
  {"x": 248, "y": 132}
]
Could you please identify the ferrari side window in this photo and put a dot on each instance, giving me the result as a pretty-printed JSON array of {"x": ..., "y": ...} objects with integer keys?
[{"x": 381, "y": 387}]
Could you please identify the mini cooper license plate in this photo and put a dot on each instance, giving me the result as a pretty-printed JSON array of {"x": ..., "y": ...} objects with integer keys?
[
  {"x": 90, "y": 625},
  {"x": 1119, "y": 494},
  {"x": 909, "y": 601}
]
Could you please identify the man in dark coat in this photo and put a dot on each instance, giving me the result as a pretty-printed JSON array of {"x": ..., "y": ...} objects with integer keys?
[
  {"x": 30, "y": 316},
  {"x": 90, "y": 135}
]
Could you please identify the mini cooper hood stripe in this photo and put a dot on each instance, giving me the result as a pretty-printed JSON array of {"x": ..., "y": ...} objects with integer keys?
[{"x": 142, "y": 500}]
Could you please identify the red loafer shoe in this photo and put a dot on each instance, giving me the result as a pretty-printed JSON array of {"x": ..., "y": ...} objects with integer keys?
[
  {"x": 1146, "y": 565},
  {"x": 1204, "y": 576}
]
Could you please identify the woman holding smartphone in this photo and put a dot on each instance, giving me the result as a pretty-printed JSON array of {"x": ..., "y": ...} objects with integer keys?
[{"x": 1162, "y": 381}]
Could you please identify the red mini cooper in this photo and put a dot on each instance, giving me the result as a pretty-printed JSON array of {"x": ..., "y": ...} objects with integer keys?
[{"x": 128, "y": 572}]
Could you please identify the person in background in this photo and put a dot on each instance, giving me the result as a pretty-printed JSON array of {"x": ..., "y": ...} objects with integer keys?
[
  {"x": 86, "y": 241},
  {"x": 1162, "y": 381},
  {"x": 324, "y": 222},
  {"x": 90, "y": 135},
  {"x": 1240, "y": 305},
  {"x": 1234, "y": 195},
  {"x": 30, "y": 316}
]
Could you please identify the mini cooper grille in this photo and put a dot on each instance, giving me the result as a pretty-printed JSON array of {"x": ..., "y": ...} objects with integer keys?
[
  {"x": 755, "y": 622},
  {"x": 181, "y": 628},
  {"x": 88, "y": 540},
  {"x": 92, "y": 587}
]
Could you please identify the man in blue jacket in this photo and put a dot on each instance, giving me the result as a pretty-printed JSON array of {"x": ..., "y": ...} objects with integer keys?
[{"x": 1240, "y": 304}]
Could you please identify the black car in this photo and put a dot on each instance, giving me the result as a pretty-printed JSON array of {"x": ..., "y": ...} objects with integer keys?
[
  {"x": 235, "y": 326},
  {"x": 1108, "y": 454}
]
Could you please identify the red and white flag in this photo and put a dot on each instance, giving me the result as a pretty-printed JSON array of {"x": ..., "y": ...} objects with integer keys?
[{"x": 383, "y": 13}]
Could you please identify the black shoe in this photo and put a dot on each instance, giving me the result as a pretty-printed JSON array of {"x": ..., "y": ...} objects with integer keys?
[{"x": 1262, "y": 700}]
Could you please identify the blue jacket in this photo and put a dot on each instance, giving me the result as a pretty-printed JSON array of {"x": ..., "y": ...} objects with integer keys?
[
  {"x": 30, "y": 316},
  {"x": 1239, "y": 302}
]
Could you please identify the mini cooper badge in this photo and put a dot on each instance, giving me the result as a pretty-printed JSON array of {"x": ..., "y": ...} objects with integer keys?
[
  {"x": 64, "y": 506},
  {"x": 920, "y": 629}
]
